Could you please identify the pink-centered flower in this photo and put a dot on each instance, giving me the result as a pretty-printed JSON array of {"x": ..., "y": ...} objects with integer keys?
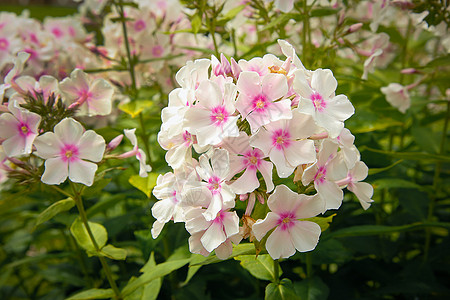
[
  {"x": 328, "y": 169},
  {"x": 245, "y": 157},
  {"x": 291, "y": 233},
  {"x": 18, "y": 130},
  {"x": 318, "y": 100},
  {"x": 71, "y": 152},
  {"x": 212, "y": 118},
  {"x": 91, "y": 98},
  {"x": 362, "y": 190},
  {"x": 213, "y": 192},
  {"x": 259, "y": 100},
  {"x": 286, "y": 143}
]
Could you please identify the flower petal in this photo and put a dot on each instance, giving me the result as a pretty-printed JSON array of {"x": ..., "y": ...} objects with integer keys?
[
  {"x": 91, "y": 146},
  {"x": 305, "y": 235},
  {"x": 82, "y": 172},
  {"x": 56, "y": 171}
]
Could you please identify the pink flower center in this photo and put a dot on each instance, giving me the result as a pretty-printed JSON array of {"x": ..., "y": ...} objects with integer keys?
[
  {"x": 139, "y": 25},
  {"x": 72, "y": 31},
  {"x": 84, "y": 96},
  {"x": 252, "y": 158},
  {"x": 318, "y": 102},
  {"x": 69, "y": 153},
  {"x": 57, "y": 32},
  {"x": 320, "y": 175},
  {"x": 260, "y": 103},
  {"x": 214, "y": 184},
  {"x": 286, "y": 220},
  {"x": 219, "y": 115},
  {"x": 174, "y": 197},
  {"x": 157, "y": 51},
  {"x": 4, "y": 44},
  {"x": 24, "y": 130},
  {"x": 187, "y": 137},
  {"x": 219, "y": 217},
  {"x": 281, "y": 139}
]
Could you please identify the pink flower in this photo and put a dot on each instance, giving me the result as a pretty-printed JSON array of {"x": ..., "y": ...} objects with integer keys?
[
  {"x": 244, "y": 157},
  {"x": 318, "y": 100},
  {"x": 70, "y": 151},
  {"x": 287, "y": 208},
  {"x": 362, "y": 190},
  {"x": 286, "y": 143},
  {"x": 328, "y": 169},
  {"x": 139, "y": 153},
  {"x": 91, "y": 98},
  {"x": 212, "y": 119},
  {"x": 18, "y": 129},
  {"x": 397, "y": 95},
  {"x": 258, "y": 98}
]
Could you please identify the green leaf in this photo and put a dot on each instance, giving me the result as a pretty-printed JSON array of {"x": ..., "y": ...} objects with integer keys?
[
  {"x": 196, "y": 23},
  {"x": 410, "y": 155},
  {"x": 234, "y": 11},
  {"x": 241, "y": 249},
  {"x": 439, "y": 62},
  {"x": 134, "y": 108},
  {"x": 365, "y": 230},
  {"x": 114, "y": 252},
  {"x": 93, "y": 294},
  {"x": 282, "y": 18},
  {"x": 426, "y": 139},
  {"x": 323, "y": 11},
  {"x": 261, "y": 267},
  {"x": 395, "y": 183},
  {"x": 373, "y": 171},
  {"x": 323, "y": 222},
  {"x": 82, "y": 237},
  {"x": 53, "y": 210},
  {"x": 155, "y": 272},
  {"x": 150, "y": 290},
  {"x": 284, "y": 290},
  {"x": 311, "y": 289},
  {"x": 144, "y": 184}
]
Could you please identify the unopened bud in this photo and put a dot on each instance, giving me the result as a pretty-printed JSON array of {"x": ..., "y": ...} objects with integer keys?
[
  {"x": 355, "y": 27},
  {"x": 114, "y": 143},
  {"x": 243, "y": 197},
  {"x": 409, "y": 71}
]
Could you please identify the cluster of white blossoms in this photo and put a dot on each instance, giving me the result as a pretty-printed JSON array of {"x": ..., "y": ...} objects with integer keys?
[
  {"x": 68, "y": 149},
  {"x": 242, "y": 119}
]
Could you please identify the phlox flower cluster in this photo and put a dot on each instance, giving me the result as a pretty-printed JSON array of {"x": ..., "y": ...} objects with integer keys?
[
  {"x": 56, "y": 46},
  {"x": 39, "y": 120},
  {"x": 247, "y": 130}
]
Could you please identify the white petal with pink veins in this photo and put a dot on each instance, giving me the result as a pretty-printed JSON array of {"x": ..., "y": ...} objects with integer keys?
[
  {"x": 15, "y": 146},
  {"x": 364, "y": 193},
  {"x": 300, "y": 152},
  {"x": 230, "y": 223},
  {"x": 69, "y": 131},
  {"x": 274, "y": 86},
  {"x": 324, "y": 83},
  {"x": 283, "y": 200},
  {"x": 280, "y": 162},
  {"x": 331, "y": 193},
  {"x": 305, "y": 235},
  {"x": 247, "y": 183},
  {"x": 208, "y": 94},
  {"x": 262, "y": 140},
  {"x": 82, "y": 172},
  {"x": 213, "y": 236},
  {"x": 265, "y": 168},
  {"x": 224, "y": 250},
  {"x": 91, "y": 146},
  {"x": 163, "y": 210},
  {"x": 279, "y": 244},
  {"x": 261, "y": 227},
  {"x": 48, "y": 145},
  {"x": 9, "y": 125},
  {"x": 56, "y": 171}
]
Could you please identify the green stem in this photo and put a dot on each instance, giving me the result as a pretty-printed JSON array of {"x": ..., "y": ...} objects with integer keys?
[
  {"x": 436, "y": 186},
  {"x": 305, "y": 32},
  {"x": 79, "y": 202},
  {"x": 276, "y": 270},
  {"x": 309, "y": 268},
  {"x": 127, "y": 48}
]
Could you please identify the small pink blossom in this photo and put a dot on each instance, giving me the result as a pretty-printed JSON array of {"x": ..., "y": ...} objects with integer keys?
[
  {"x": 291, "y": 233},
  {"x": 398, "y": 96},
  {"x": 71, "y": 152},
  {"x": 91, "y": 98},
  {"x": 260, "y": 99},
  {"x": 18, "y": 130}
]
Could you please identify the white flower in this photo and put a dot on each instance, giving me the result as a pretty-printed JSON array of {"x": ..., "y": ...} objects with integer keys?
[
  {"x": 70, "y": 151},
  {"x": 397, "y": 95}
]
